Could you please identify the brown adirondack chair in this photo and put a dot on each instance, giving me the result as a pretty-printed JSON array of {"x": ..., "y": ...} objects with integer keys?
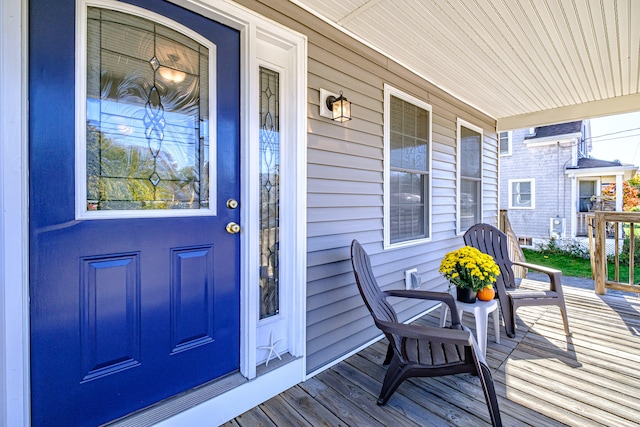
[
  {"x": 490, "y": 240},
  {"x": 420, "y": 351}
]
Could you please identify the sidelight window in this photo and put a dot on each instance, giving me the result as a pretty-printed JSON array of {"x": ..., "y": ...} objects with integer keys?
[{"x": 269, "y": 192}]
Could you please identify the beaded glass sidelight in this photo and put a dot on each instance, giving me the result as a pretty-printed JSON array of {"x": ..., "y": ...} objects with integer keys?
[{"x": 269, "y": 192}]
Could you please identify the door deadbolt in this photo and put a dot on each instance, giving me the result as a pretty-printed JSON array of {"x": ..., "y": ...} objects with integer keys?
[
  {"x": 232, "y": 203},
  {"x": 233, "y": 228}
]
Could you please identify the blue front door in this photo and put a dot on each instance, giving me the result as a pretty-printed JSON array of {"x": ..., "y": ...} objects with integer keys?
[{"x": 134, "y": 298}]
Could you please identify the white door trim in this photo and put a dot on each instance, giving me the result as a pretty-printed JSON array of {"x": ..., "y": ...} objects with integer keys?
[
  {"x": 14, "y": 332},
  {"x": 254, "y": 28}
]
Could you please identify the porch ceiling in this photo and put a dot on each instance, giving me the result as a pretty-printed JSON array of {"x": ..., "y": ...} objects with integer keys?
[{"x": 523, "y": 62}]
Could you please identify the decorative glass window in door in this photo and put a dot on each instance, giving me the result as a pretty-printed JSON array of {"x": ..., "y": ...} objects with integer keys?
[
  {"x": 147, "y": 141},
  {"x": 269, "y": 192}
]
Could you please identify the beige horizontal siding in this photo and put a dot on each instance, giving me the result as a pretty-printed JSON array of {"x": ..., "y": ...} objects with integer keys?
[{"x": 345, "y": 182}]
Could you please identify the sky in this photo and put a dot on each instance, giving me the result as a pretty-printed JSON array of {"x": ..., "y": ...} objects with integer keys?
[{"x": 617, "y": 138}]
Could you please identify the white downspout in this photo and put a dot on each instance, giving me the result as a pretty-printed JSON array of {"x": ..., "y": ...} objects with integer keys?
[
  {"x": 574, "y": 210},
  {"x": 619, "y": 193}
]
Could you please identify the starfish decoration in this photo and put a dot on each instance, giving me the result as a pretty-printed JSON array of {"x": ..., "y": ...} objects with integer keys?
[{"x": 271, "y": 347}]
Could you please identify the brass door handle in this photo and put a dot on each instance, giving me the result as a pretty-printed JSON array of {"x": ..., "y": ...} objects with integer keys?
[{"x": 233, "y": 228}]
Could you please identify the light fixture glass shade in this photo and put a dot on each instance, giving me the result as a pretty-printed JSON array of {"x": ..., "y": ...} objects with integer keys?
[{"x": 340, "y": 108}]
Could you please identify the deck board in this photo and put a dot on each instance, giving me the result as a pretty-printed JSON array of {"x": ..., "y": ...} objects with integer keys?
[{"x": 542, "y": 377}]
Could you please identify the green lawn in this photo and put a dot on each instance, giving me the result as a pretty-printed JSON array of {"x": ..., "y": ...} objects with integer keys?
[
  {"x": 570, "y": 266},
  {"x": 574, "y": 266}
]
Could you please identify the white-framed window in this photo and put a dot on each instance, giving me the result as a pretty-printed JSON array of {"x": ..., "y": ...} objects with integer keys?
[
  {"x": 504, "y": 143},
  {"x": 407, "y": 169},
  {"x": 587, "y": 190},
  {"x": 522, "y": 194},
  {"x": 469, "y": 169}
]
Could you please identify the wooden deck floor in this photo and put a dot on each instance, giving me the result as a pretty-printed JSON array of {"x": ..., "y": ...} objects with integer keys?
[{"x": 542, "y": 377}]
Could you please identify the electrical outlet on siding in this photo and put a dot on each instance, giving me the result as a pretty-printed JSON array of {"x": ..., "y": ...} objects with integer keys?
[{"x": 411, "y": 279}]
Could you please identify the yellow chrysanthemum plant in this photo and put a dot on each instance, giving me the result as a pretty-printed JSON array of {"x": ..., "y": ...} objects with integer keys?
[{"x": 467, "y": 267}]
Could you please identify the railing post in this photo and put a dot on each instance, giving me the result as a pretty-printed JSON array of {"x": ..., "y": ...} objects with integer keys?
[
  {"x": 600, "y": 254},
  {"x": 590, "y": 231},
  {"x": 632, "y": 253},
  {"x": 616, "y": 253},
  {"x": 502, "y": 220}
]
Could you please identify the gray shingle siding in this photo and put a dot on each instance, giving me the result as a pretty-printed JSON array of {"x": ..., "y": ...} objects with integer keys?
[{"x": 546, "y": 164}]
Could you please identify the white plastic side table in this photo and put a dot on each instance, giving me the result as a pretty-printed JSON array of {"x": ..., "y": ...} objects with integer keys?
[{"x": 480, "y": 310}]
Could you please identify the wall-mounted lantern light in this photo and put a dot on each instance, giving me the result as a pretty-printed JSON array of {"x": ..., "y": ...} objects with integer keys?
[
  {"x": 340, "y": 108},
  {"x": 336, "y": 107}
]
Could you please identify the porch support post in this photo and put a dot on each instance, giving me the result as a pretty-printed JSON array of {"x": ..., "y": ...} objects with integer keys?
[
  {"x": 574, "y": 207},
  {"x": 600, "y": 255},
  {"x": 619, "y": 193}
]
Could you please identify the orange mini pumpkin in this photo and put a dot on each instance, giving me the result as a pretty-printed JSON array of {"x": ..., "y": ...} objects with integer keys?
[{"x": 486, "y": 294}]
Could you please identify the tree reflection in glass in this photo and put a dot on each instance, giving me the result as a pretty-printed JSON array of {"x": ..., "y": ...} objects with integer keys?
[{"x": 147, "y": 115}]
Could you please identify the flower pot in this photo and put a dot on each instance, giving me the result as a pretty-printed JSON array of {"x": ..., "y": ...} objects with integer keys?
[{"x": 467, "y": 295}]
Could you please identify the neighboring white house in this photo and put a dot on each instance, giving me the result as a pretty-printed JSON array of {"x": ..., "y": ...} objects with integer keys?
[{"x": 548, "y": 181}]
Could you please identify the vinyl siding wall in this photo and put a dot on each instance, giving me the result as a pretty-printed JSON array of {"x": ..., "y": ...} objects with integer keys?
[{"x": 345, "y": 183}]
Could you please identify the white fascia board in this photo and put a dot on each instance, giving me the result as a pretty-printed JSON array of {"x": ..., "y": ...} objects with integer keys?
[
  {"x": 568, "y": 138},
  {"x": 603, "y": 171},
  {"x": 570, "y": 113}
]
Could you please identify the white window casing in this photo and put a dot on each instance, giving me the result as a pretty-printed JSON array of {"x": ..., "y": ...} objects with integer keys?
[
  {"x": 522, "y": 193},
  {"x": 423, "y": 171}
]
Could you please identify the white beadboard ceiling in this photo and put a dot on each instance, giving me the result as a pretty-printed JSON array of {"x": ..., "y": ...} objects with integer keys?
[{"x": 522, "y": 62}]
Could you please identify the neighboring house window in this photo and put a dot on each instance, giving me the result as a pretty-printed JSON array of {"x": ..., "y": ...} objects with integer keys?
[
  {"x": 525, "y": 241},
  {"x": 587, "y": 192},
  {"x": 407, "y": 168},
  {"x": 504, "y": 142},
  {"x": 583, "y": 151},
  {"x": 469, "y": 175},
  {"x": 522, "y": 194}
]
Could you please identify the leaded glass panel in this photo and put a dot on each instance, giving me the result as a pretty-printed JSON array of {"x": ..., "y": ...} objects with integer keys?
[
  {"x": 147, "y": 115},
  {"x": 269, "y": 192}
]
